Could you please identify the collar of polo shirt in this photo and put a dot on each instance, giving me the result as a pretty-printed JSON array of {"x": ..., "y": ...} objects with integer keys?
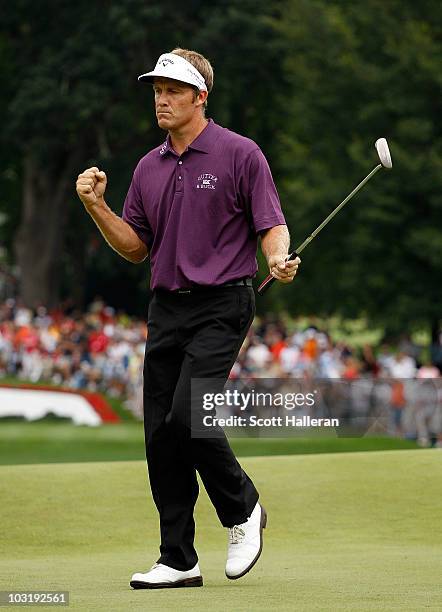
[
  {"x": 172, "y": 66},
  {"x": 202, "y": 142}
]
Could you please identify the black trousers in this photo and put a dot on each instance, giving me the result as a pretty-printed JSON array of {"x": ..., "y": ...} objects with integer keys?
[{"x": 192, "y": 335}]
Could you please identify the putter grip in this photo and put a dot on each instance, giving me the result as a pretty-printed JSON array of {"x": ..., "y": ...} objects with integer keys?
[{"x": 269, "y": 280}]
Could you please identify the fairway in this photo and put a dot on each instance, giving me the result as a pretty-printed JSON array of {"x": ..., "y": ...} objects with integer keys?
[
  {"x": 352, "y": 531},
  {"x": 58, "y": 442}
]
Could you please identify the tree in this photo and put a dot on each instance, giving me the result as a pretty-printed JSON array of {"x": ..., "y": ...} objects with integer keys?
[
  {"x": 72, "y": 100},
  {"x": 357, "y": 72},
  {"x": 313, "y": 82},
  {"x": 70, "y": 104}
]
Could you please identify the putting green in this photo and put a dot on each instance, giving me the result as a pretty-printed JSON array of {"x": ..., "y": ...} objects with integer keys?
[
  {"x": 58, "y": 442},
  {"x": 354, "y": 531}
]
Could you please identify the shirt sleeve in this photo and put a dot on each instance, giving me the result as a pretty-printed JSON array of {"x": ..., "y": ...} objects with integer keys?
[
  {"x": 262, "y": 200},
  {"x": 134, "y": 213}
]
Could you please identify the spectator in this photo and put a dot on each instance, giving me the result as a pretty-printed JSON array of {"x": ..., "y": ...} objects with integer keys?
[{"x": 101, "y": 350}]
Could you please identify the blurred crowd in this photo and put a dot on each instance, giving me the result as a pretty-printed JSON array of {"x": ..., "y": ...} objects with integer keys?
[
  {"x": 96, "y": 350},
  {"x": 103, "y": 350},
  {"x": 271, "y": 351}
]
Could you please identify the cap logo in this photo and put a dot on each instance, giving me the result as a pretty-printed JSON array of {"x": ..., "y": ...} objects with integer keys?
[
  {"x": 173, "y": 66},
  {"x": 164, "y": 61}
]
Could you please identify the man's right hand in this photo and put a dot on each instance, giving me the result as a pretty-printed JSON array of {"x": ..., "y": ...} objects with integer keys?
[{"x": 91, "y": 185}]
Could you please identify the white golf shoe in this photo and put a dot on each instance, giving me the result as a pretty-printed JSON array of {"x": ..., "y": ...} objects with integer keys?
[
  {"x": 164, "y": 577},
  {"x": 245, "y": 544}
]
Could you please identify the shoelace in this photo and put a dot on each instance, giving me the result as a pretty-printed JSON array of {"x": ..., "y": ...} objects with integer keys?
[{"x": 236, "y": 534}]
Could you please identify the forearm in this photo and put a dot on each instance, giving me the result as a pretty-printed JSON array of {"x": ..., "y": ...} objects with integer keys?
[
  {"x": 275, "y": 242},
  {"x": 118, "y": 234}
]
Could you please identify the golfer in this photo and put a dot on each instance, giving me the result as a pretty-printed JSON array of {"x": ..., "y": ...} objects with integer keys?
[{"x": 197, "y": 205}]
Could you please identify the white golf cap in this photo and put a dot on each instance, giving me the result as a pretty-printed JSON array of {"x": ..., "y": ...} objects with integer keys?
[{"x": 172, "y": 66}]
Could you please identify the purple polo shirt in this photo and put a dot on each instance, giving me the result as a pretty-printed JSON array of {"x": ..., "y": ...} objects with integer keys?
[{"x": 194, "y": 211}]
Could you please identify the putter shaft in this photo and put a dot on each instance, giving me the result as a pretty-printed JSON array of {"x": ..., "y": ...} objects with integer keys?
[{"x": 269, "y": 280}]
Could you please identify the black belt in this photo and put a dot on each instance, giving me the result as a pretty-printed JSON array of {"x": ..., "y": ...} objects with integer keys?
[
  {"x": 245, "y": 282},
  {"x": 242, "y": 282}
]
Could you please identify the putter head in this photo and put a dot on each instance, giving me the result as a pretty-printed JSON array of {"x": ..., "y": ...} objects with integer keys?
[{"x": 383, "y": 152}]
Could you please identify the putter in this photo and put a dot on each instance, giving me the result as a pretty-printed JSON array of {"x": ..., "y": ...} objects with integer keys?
[{"x": 385, "y": 159}]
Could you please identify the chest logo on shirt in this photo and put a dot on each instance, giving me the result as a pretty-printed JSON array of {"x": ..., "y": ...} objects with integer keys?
[{"x": 206, "y": 181}]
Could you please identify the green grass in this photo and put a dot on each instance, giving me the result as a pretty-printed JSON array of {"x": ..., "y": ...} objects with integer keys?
[
  {"x": 58, "y": 442},
  {"x": 356, "y": 532}
]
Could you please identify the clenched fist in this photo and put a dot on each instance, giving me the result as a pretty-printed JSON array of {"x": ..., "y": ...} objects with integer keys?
[{"x": 91, "y": 185}]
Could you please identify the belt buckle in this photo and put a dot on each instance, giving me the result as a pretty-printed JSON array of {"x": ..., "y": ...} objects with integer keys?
[{"x": 184, "y": 291}]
